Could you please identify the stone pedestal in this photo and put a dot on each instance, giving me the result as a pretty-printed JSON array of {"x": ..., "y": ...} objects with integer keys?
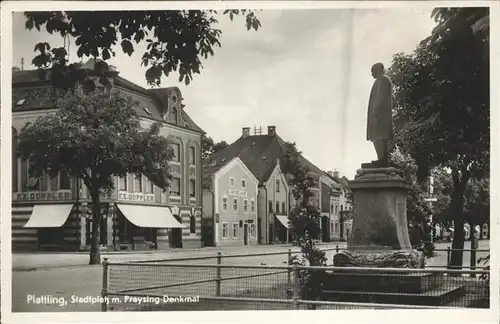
[{"x": 379, "y": 236}]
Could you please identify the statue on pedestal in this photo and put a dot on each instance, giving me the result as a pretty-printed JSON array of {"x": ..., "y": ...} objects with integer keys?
[
  {"x": 379, "y": 121},
  {"x": 379, "y": 236}
]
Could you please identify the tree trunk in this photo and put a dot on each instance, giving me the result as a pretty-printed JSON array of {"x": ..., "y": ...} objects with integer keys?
[
  {"x": 95, "y": 255},
  {"x": 457, "y": 257},
  {"x": 457, "y": 210}
]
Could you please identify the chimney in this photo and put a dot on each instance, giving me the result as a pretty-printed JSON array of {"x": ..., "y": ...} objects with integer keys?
[
  {"x": 245, "y": 132},
  {"x": 271, "y": 130},
  {"x": 330, "y": 173},
  {"x": 336, "y": 174}
]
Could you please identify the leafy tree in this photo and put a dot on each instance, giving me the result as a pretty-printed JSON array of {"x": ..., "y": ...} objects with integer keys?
[
  {"x": 417, "y": 208},
  {"x": 476, "y": 200},
  {"x": 304, "y": 219},
  {"x": 95, "y": 137},
  {"x": 304, "y": 216},
  {"x": 209, "y": 148},
  {"x": 443, "y": 187},
  {"x": 176, "y": 40},
  {"x": 442, "y": 106}
]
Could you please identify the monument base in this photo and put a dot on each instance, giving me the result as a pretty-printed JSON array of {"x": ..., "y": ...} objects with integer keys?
[{"x": 379, "y": 259}]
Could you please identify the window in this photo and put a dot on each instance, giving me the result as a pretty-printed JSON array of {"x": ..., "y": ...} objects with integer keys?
[
  {"x": 235, "y": 204},
  {"x": 177, "y": 152},
  {"x": 332, "y": 231},
  {"x": 252, "y": 206},
  {"x": 192, "y": 224},
  {"x": 277, "y": 207},
  {"x": 175, "y": 186},
  {"x": 251, "y": 230},
  {"x": 336, "y": 209},
  {"x": 224, "y": 204},
  {"x": 192, "y": 188},
  {"x": 191, "y": 155},
  {"x": 283, "y": 207},
  {"x": 64, "y": 181},
  {"x": 270, "y": 206},
  {"x": 123, "y": 183},
  {"x": 331, "y": 209},
  {"x": 137, "y": 183},
  {"x": 231, "y": 182},
  {"x": 224, "y": 230},
  {"x": 243, "y": 183},
  {"x": 235, "y": 230},
  {"x": 32, "y": 184},
  {"x": 277, "y": 185},
  {"x": 149, "y": 186},
  {"x": 245, "y": 206}
]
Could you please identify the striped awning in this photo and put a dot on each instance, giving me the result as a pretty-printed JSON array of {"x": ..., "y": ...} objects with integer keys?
[
  {"x": 149, "y": 216},
  {"x": 284, "y": 220},
  {"x": 49, "y": 216}
]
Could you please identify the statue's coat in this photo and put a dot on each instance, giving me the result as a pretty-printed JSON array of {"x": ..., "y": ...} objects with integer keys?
[{"x": 379, "y": 126}]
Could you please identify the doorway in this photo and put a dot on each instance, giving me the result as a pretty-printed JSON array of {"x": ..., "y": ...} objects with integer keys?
[
  {"x": 176, "y": 235},
  {"x": 325, "y": 235},
  {"x": 245, "y": 233}
]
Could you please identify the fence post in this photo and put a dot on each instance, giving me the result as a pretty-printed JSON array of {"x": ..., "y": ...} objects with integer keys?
[
  {"x": 217, "y": 275},
  {"x": 296, "y": 288},
  {"x": 104, "y": 291},
  {"x": 289, "y": 264},
  {"x": 473, "y": 248},
  {"x": 448, "y": 257}
]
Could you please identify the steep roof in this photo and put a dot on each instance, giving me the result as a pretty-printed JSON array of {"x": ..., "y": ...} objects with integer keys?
[
  {"x": 38, "y": 94},
  {"x": 260, "y": 153}
]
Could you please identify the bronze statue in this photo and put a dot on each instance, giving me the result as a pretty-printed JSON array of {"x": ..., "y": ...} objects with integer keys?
[{"x": 379, "y": 126}]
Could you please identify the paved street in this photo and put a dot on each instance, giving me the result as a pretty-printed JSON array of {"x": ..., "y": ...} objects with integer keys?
[{"x": 67, "y": 274}]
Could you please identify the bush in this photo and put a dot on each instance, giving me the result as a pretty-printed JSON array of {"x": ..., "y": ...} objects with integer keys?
[{"x": 310, "y": 281}]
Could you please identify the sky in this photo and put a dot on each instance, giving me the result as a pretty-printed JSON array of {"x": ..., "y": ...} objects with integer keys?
[{"x": 307, "y": 72}]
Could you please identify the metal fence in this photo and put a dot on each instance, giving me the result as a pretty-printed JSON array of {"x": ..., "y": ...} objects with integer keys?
[
  {"x": 441, "y": 260},
  {"x": 183, "y": 286}
]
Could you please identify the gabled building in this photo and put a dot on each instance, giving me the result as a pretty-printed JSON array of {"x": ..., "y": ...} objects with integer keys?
[
  {"x": 341, "y": 209},
  {"x": 261, "y": 154},
  {"x": 54, "y": 213},
  {"x": 330, "y": 194},
  {"x": 230, "y": 193}
]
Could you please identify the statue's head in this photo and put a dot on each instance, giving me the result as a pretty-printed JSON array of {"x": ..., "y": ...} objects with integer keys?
[{"x": 378, "y": 70}]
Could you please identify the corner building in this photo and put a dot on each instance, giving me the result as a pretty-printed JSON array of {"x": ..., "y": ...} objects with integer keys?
[{"x": 54, "y": 214}]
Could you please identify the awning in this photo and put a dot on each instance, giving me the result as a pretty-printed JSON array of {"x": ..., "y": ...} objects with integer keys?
[
  {"x": 284, "y": 220},
  {"x": 49, "y": 216},
  {"x": 150, "y": 216}
]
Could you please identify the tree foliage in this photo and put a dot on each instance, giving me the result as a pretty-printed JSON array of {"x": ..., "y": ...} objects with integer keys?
[
  {"x": 95, "y": 137},
  {"x": 209, "y": 148},
  {"x": 476, "y": 199},
  {"x": 417, "y": 208},
  {"x": 176, "y": 40},
  {"x": 304, "y": 216},
  {"x": 442, "y": 104},
  {"x": 304, "y": 219}
]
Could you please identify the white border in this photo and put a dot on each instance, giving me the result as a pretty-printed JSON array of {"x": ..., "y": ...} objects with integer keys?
[{"x": 343, "y": 316}]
